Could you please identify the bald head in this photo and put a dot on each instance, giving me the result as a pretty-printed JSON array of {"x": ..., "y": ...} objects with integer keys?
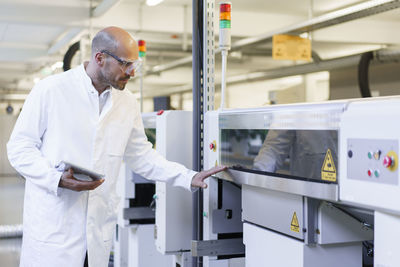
[
  {"x": 113, "y": 39},
  {"x": 114, "y": 58}
]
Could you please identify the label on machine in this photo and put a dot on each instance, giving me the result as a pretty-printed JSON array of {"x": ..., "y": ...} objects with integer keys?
[
  {"x": 294, "y": 225},
  {"x": 291, "y": 47},
  {"x": 328, "y": 170}
]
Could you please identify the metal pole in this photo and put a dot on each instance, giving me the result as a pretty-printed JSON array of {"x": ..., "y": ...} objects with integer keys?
[
  {"x": 224, "y": 54},
  {"x": 10, "y": 231},
  {"x": 197, "y": 55},
  {"x": 141, "y": 88}
]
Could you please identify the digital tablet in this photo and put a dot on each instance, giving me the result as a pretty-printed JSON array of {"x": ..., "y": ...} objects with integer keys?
[{"x": 80, "y": 173}]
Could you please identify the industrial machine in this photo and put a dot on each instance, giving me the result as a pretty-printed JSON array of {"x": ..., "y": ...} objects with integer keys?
[
  {"x": 173, "y": 229},
  {"x": 154, "y": 219},
  {"x": 318, "y": 185}
]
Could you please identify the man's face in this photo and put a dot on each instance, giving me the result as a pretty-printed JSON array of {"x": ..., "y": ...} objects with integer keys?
[{"x": 118, "y": 70}]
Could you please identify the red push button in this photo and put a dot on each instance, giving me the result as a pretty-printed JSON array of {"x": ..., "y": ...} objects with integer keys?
[
  {"x": 369, "y": 173},
  {"x": 160, "y": 112},
  {"x": 388, "y": 161},
  {"x": 213, "y": 146}
]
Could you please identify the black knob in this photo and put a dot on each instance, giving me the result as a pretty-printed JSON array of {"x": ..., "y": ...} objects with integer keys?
[{"x": 350, "y": 153}]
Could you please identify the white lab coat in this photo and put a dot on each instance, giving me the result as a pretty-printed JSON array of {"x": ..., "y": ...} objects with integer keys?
[{"x": 60, "y": 121}]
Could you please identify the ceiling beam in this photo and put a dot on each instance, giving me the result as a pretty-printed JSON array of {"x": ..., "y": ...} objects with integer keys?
[
  {"x": 103, "y": 7},
  {"x": 40, "y": 14}
]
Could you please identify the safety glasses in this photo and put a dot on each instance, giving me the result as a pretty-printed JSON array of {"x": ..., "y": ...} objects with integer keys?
[{"x": 126, "y": 65}]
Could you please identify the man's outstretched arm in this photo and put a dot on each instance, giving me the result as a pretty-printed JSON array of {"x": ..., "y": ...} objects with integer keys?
[{"x": 198, "y": 179}]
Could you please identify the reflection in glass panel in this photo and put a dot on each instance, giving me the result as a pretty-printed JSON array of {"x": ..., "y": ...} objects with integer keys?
[
  {"x": 151, "y": 135},
  {"x": 286, "y": 153}
]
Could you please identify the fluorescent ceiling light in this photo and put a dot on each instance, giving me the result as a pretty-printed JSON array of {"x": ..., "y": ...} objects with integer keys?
[{"x": 153, "y": 2}]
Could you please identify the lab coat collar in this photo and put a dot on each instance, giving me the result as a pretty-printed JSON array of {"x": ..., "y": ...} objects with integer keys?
[{"x": 88, "y": 82}]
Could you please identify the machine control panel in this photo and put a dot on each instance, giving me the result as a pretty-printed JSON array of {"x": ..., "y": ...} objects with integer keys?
[{"x": 373, "y": 160}]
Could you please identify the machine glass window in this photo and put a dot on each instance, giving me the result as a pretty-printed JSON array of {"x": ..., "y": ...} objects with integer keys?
[
  {"x": 296, "y": 154},
  {"x": 151, "y": 135}
]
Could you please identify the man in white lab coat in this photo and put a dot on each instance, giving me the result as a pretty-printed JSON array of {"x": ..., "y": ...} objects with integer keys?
[{"x": 84, "y": 116}]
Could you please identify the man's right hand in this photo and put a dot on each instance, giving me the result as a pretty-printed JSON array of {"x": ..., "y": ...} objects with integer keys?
[{"x": 70, "y": 182}]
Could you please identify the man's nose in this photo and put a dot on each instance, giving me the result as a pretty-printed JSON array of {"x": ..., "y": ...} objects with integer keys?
[{"x": 130, "y": 71}]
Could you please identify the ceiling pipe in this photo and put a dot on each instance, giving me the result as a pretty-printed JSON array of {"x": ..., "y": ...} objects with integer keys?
[
  {"x": 185, "y": 28},
  {"x": 358, "y": 11},
  {"x": 13, "y": 97},
  {"x": 10, "y": 231},
  {"x": 380, "y": 56},
  {"x": 171, "y": 65}
]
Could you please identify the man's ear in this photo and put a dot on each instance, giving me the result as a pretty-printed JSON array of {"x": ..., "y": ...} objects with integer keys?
[{"x": 100, "y": 59}]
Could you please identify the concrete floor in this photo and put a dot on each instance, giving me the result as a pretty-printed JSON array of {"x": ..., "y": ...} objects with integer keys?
[{"x": 11, "y": 207}]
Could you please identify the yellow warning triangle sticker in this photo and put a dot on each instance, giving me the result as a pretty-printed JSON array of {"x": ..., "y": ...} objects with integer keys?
[
  {"x": 294, "y": 225},
  {"x": 328, "y": 170}
]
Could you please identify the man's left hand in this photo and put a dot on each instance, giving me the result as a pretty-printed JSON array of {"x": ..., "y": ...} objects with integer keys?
[{"x": 198, "y": 179}]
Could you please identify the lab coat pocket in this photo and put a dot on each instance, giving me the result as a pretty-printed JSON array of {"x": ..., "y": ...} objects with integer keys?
[
  {"x": 49, "y": 222},
  {"x": 117, "y": 139}
]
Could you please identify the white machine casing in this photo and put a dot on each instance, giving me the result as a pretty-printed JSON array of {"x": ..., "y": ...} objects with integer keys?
[
  {"x": 173, "y": 230},
  {"x": 374, "y": 125},
  {"x": 294, "y": 252},
  {"x": 134, "y": 244},
  {"x": 372, "y": 121},
  {"x": 137, "y": 245}
]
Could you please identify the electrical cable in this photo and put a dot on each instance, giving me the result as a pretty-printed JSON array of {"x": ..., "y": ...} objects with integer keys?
[
  {"x": 363, "y": 80},
  {"x": 69, "y": 55}
]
